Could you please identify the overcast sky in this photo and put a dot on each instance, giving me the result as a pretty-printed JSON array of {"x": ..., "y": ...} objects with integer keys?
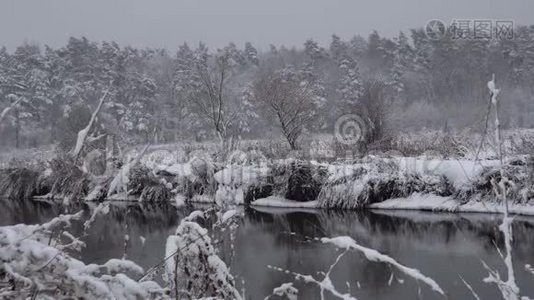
[{"x": 168, "y": 23}]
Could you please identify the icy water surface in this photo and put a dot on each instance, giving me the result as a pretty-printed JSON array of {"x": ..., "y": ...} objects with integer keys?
[{"x": 442, "y": 246}]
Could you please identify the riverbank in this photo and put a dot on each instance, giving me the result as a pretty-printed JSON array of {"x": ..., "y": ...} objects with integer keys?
[{"x": 373, "y": 182}]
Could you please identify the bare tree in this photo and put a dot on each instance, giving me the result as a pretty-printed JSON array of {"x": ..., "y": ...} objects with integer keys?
[
  {"x": 373, "y": 106},
  {"x": 291, "y": 101},
  {"x": 202, "y": 79}
]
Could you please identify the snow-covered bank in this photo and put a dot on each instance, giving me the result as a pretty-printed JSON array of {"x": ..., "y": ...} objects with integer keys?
[
  {"x": 417, "y": 201},
  {"x": 431, "y": 202},
  {"x": 275, "y": 201},
  {"x": 250, "y": 178}
]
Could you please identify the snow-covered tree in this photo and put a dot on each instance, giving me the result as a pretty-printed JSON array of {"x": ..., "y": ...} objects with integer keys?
[
  {"x": 251, "y": 54},
  {"x": 205, "y": 81},
  {"x": 24, "y": 87},
  {"x": 291, "y": 98},
  {"x": 314, "y": 53},
  {"x": 402, "y": 59},
  {"x": 350, "y": 85},
  {"x": 338, "y": 48}
]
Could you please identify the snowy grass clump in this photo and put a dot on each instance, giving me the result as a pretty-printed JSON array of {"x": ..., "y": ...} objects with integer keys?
[
  {"x": 146, "y": 186},
  {"x": 193, "y": 268},
  {"x": 69, "y": 182},
  {"x": 520, "y": 186},
  {"x": 36, "y": 264},
  {"x": 244, "y": 172},
  {"x": 359, "y": 185},
  {"x": 192, "y": 179},
  {"x": 22, "y": 183}
]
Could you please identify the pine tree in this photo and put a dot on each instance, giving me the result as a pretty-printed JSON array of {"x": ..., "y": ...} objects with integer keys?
[
  {"x": 350, "y": 86},
  {"x": 338, "y": 48},
  {"x": 251, "y": 54},
  {"x": 314, "y": 53}
]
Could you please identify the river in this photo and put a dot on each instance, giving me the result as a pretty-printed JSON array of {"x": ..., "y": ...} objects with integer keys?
[{"x": 441, "y": 245}]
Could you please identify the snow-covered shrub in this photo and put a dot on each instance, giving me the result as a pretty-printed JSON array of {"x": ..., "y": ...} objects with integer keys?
[
  {"x": 194, "y": 270},
  {"x": 517, "y": 171},
  {"x": 305, "y": 181},
  {"x": 36, "y": 263},
  {"x": 194, "y": 178},
  {"x": 69, "y": 181},
  {"x": 235, "y": 181},
  {"x": 521, "y": 142},
  {"x": 355, "y": 186},
  {"x": 22, "y": 183},
  {"x": 145, "y": 185}
]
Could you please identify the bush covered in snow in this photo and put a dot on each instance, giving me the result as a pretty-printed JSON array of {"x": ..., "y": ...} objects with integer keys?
[
  {"x": 36, "y": 264},
  {"x": 520, "y": 188},
  {"x": 69, "y": 181},
  {"x": 193, "y": 269},
  {"x": 355, "y": 186},
  {"x": 21, "y": 183},
  {"x": 146, "y": 186}
]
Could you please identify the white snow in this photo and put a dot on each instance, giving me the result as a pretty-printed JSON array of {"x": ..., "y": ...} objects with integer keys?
[
  {"x": 241, "y": 176},
  {"x": 227, "y": 215},
  {"x": 276, "y": 201},
  {"x": 82, "y": 134},
  {"x": 431, "y": 202},
  {"x": 287, "y": 290},
  {"x": 101, "y": 209},
  {"x": 179, "y": 200},
  {"x": 458, "y": 171},
  {"x": 180, "y": 170}
]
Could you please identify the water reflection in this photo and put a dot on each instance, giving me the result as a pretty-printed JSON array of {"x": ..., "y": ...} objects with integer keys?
[{"x": 442, "y": 246}]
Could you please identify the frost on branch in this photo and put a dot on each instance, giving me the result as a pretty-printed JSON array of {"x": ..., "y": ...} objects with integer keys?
[
  {"x": 345, "y": 242},
  {"x": 324, "y": 285},
  {"x": 194, "y": 270},
  {"x": 287, "y": 290},
  {"x": 508, "y": 288}
]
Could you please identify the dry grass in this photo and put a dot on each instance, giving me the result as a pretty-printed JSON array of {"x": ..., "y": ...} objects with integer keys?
[{"x": 22, "y": 183}]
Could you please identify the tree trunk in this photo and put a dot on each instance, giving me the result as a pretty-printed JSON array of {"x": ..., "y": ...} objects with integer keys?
[{"x": 17, "y": 129}]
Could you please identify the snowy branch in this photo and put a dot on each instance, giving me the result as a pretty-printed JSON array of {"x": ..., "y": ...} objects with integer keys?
[
  {"x": 324, "y": 285},
  {"x": 7, "y": 109},
  {"x": 82, "y": 134},
  {"x": 345, "y": 242}
]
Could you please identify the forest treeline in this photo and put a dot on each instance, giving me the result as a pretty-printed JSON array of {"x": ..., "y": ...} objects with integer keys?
[{"x": 406, "y": 83}]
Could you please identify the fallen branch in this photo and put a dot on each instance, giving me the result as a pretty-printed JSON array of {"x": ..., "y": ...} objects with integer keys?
[{"x": 82, "y": 134}]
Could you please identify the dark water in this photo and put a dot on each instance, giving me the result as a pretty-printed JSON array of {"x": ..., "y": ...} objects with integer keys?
[{"x": 442, "y": 246}]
